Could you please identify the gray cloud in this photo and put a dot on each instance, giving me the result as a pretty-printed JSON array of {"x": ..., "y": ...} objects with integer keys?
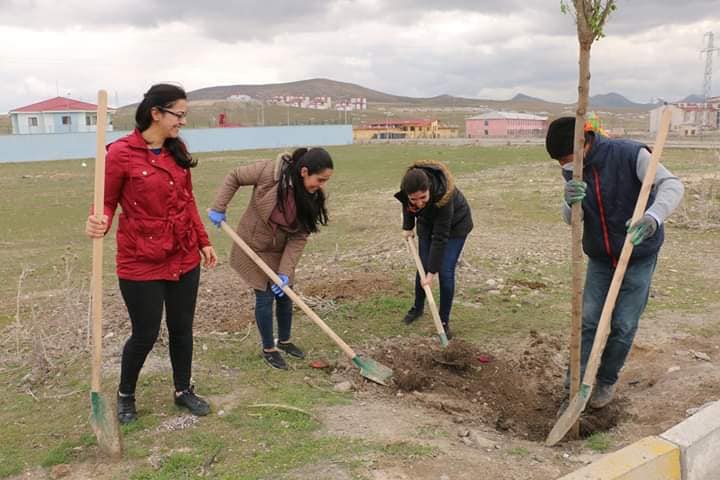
[
  {"x": 264, "y": 19},
  {"x": 489, "y": 48}
]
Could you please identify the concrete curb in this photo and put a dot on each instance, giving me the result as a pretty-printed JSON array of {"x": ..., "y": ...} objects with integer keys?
[
  {"x": 699, "y": 440},
  {"x": 688, "y": 451},
  {"x": 651, "y": 458}
]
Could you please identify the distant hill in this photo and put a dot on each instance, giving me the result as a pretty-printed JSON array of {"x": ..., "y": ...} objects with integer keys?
[
  {"x": 693, "y": 99},
  {"x": 521, "y": 97},
  {"x": 615, "y": 100},
  {"x": 314, "y": 87}
]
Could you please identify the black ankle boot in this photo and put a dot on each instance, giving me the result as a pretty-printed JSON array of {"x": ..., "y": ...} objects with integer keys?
[
  {"x": 412, "y": 315},
  {"x": 448, "y": 334},
  {"x": 126, "y": 411},
  {"x": 192, "y": 402}
]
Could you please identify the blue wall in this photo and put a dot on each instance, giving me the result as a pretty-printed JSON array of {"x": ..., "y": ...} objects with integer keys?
[{"x": 29, "y": 148}]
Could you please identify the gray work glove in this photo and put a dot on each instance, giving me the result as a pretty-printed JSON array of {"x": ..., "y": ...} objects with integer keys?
[
  {"x": 642, "y": 229},
  {"x": 574, "y": 191}
]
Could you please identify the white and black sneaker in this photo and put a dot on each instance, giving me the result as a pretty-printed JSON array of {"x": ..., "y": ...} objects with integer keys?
[
  {"x": 274, "y": 359},
  {"x": 291, "y": 349}
]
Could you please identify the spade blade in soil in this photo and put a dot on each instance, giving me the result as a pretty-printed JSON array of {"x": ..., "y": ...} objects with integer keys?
[
  {"x": 372, "y": 370},
  {"x": 443, "y": 339},
  {"x": 570, "y": 416},
  {"x": 105, "y": 426}
]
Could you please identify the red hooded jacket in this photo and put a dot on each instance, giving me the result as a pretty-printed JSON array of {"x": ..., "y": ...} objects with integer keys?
[{"x": 159, "y": 233}]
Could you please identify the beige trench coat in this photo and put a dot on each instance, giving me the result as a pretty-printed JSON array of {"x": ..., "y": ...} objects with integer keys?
[{"x": 280, "y": 250}]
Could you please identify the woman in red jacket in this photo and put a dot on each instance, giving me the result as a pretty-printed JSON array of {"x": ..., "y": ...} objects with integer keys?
[{"x": 160, "y": 240}]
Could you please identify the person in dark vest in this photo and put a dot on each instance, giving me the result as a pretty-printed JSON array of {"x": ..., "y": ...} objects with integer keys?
[
  {"x": 613, "y": 171},
  {"x": 431, "y": 200}
]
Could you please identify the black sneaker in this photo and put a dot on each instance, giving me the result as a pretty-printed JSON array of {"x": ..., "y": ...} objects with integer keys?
[
  {"x": 412, "y": 315},
  {"x": 192, "y": 402},
  {"x": 126, "y": 411},
  {"x": 291, "y": 349},
  {"x": 448, "y": 334},
  {"x": 274, "y": 359}
]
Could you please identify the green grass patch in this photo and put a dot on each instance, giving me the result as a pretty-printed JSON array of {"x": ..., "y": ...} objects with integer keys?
[
  {"x": 57, "y": 455},
  {"x": 175, "y": 466},
  {"x": 599, "y": 442},
  {"x": 519, "y": 451},
  {"x": 9, "y": 465}
]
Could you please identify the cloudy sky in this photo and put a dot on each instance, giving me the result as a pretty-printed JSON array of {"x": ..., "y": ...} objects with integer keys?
[{"x": 473, "y": 48}]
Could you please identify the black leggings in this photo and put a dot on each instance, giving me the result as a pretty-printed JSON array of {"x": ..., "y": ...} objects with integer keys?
[{"x": 144, "y": 301}]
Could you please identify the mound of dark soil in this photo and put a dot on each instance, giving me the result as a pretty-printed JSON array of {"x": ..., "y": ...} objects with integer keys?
[{"x": 519, "y": 395}]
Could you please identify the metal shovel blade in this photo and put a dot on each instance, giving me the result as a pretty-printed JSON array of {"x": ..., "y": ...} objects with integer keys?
[
  {"x": 570, "y": 416},
  {"x": 105, "y": 426},
  {"x": 372, "y": 370}
]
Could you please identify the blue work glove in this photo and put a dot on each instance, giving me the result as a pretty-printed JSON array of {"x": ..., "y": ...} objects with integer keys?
[
  {"x": 574, "y": 191},
  {"x": 216, "y": 217},
  {"x": 642, "y": 229},
  {"x": 277, "y": 289}
]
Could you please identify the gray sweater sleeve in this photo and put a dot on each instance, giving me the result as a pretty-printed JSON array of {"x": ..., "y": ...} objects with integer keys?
[{"x": 668, "y": 188}]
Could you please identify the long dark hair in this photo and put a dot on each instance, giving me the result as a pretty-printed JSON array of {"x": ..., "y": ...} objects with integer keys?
[
  {"x": 163, "y": 95},
  {"x": 310, "y": 207},
  {"x": 415, "y": 180}
]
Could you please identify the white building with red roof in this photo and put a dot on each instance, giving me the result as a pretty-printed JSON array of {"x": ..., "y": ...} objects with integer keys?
[{"x": 57, "y": 115}]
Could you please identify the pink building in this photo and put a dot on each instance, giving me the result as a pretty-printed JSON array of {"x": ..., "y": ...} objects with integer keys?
[{"x": 505, "y": 124}]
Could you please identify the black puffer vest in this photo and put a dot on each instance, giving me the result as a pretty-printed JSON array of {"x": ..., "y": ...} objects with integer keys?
[{"x": 610, "y": 171}]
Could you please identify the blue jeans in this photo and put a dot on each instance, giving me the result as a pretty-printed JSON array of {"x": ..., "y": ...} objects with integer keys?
[
  {"x": 630, "y": 304},
  {"x": 446, "y": 275},
  {"x": 264, "y": 317}
]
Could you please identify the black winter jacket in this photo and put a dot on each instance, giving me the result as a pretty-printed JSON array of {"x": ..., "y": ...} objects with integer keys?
[{"x": 447, "y": 214}]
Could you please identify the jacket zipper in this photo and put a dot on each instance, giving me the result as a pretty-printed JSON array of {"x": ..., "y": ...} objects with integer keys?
[{"x": 603, "y": 221}]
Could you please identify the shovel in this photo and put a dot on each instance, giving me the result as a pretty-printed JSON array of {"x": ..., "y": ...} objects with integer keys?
[
  {"x": 369, "y": 368},
  {"x": 428, "y": 293},
  {"x": 102, "y": 418},
  {"x": 577, "y": 404}
]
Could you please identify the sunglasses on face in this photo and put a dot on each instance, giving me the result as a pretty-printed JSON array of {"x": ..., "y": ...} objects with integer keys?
[{"x": 178, "y": 115}]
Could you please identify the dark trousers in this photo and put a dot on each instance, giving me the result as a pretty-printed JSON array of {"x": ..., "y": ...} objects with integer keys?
[
  {"x": 446, "y": 275},
  {"x": 145, "y": 301},
  {"x": 264, "y": 317},
  {"x": 629, "y": 306}
]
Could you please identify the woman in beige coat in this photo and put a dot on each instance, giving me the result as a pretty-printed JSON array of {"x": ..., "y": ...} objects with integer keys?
[{"x": 287, "y": 204}]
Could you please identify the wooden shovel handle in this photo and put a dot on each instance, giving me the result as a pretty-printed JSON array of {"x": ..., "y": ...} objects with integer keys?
[
  {"x": 603, "y": 329},
  {"x": 97, "y": 251},
  {"x": 428, "y": 291},
  {"x": 288, "y": 291}
]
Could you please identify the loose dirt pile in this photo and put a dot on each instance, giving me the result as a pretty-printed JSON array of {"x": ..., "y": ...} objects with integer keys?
[{"x": 517, "y": 394}]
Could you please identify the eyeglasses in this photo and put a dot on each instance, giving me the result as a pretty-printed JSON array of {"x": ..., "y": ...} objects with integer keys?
[{"x": 178, "y": 115}]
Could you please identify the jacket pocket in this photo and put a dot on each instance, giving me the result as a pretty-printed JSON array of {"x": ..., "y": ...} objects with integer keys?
[
  {"x": 143, "y": 179},
  {"x": 155, "y": 241}
]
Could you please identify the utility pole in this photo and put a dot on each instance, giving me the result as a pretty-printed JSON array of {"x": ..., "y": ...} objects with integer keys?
[{"x": 710, "y": 48}]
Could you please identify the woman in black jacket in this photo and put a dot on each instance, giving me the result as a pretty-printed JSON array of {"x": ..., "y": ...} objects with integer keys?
[{"x": 431, "y": 200}]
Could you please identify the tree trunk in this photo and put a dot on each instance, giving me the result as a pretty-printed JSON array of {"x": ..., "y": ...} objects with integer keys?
[{"x": 585, "y": 41}]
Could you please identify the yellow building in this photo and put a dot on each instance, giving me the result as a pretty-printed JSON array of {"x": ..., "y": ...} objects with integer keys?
[{"x": 391, "y": 129}]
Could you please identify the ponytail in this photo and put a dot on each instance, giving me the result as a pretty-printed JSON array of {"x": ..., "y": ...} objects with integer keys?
[{"x": 310, "y": 207}]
